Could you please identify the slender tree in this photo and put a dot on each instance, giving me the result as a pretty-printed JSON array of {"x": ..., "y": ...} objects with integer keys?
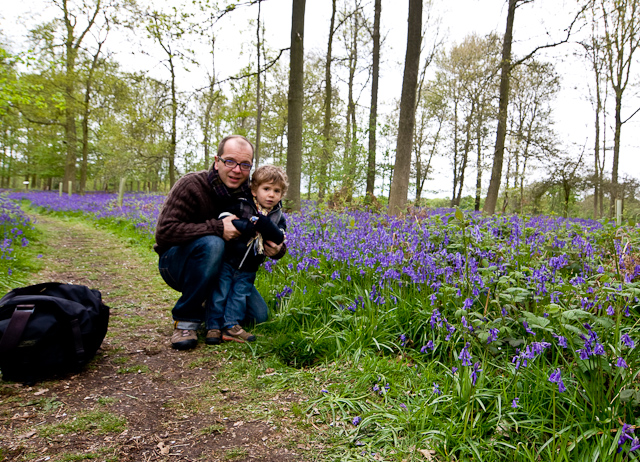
[
  {"x": 503, "y": 105},
  {"x": 406, "y": 120},
  {"x": 296, "y": 99},
  {"x": 505, "y": 70},
  {"x": 373, "y": 112},
  {"x": 72, "y": 43},
  {"x": 327, "y": 143},
  {"x": 621, "y": 20},
  {"x": 256, "y": 154}
]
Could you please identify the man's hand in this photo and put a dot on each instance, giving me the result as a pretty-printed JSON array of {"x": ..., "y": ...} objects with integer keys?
[
  {"x": 271, "y": 249},
  {"x": 230, "y": 231}
]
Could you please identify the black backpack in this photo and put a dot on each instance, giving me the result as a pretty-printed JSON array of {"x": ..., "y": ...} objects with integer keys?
[{"x": 49, "y": 329}]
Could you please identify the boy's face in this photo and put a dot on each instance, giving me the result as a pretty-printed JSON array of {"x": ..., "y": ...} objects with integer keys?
[{"x": 267, "y": 194}]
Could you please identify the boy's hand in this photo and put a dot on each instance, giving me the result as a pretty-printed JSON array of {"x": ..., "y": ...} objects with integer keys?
[
  {"x": 271, "y": 248},
  {"x": 229, "y": 232}
]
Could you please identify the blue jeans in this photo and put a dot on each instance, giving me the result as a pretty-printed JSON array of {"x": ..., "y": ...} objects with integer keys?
[
  {"x": 229, "y": 304},
  {"x": 193, "y": 270}
]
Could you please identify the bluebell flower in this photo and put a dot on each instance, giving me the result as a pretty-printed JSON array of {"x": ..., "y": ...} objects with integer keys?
[
  {"x": 493, "y": 335},
  {"x": 356, "y": 421},
  {"x": 621, "y": 363},
  {"x": 526, "y": 328},
  {"x": 628, "y": 341},
  {"x": 436, "y": 389},
  {"x": 556, "y": 377},
  {"x": 474, "y": 373},
  {"x": 626, "y": 434},
  {"x": 514, "y": 402},
  {"x": 465, "y": 356},
  {"x": 562, "y": 341}
]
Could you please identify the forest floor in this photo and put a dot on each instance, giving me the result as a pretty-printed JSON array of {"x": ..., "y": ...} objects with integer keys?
[{"x": 140, "y": 400}]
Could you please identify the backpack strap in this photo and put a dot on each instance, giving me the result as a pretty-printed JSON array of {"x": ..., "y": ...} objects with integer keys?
[{"x": 16, "y": 326}]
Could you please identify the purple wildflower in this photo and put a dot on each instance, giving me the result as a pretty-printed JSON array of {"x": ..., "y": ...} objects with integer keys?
[
  {"x": 356, "y": 421},
  {"x": 556, "y": 377},
  {"x": 493, "y": 335},
  {"x": 626, "y": 433},
  {"x": 514, "y": 403},
  {"x": 621, "y": 363},
  {"x": 562, "y": 341},
  {"x": 465, "y": 356},
  {"x": 627, "y": 340},
  {"x": 527, "y": 329},
  {"x": 436, "y": 389},
  {"x": 474, "y": 372}
]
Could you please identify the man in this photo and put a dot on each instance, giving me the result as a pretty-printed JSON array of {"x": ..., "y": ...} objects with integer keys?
[{"x": 190, "y": 239}]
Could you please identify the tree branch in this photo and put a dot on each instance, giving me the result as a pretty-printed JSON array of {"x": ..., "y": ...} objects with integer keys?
[
  {"x": 551, "y": 45},
  {"x": 252, "y": 74},
  {"x": 631, "y": 116}
]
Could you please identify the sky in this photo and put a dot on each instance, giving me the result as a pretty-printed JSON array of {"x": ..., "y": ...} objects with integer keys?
[{"x": 535, "y": 24}]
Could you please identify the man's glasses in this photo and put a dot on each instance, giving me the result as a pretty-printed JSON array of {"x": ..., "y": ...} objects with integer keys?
[{"x": 231, "y": 164}]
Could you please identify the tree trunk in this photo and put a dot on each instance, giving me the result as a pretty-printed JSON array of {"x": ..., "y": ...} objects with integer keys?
[
  {"x": 501, "y": 133},
  {"x": 323, "y": 176},
  {"x": 85, "y": 120},
  {"x": 296, "y": 99},
  {"x": 174, "y": 129},
  {"x": 70, "y": 134},
  {"x": 476, "y": 205},
  {"x": 256, "y": 152},
  {"x": 401, "y": 171},
  {"x": 615, "y": 194},
  {"x": 348, "y": 169},
  {"x": 373, "y": 114}
]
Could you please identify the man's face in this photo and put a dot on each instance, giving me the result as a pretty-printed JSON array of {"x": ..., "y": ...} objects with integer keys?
[{"x": 240, "y": 152}]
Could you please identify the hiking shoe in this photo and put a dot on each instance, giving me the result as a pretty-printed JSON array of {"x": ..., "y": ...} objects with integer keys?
[
  {"x": 214, "y": 337},
  {"x": 237, "y": 334},
  {"x": 184, "y": 339}
]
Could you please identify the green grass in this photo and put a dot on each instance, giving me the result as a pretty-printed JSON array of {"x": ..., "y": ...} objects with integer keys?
[
  {"x": 212, "y": 429},
  {"x": 134, "y": 369},
  {"x": 235, "y": 454},
  {"x": 96, "y": 422}
]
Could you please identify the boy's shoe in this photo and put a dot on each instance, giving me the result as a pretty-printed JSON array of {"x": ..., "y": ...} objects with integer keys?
[
  {"x": 184, "y": 339},
  {"x": 237, "y": 334},
  {"x": 214, "y": 337}
]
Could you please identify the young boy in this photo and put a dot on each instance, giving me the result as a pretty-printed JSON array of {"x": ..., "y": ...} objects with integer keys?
[{"x": 259, "y": 219}]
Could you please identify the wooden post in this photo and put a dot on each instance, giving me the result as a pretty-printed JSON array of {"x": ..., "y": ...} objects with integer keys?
[
  {"x": 121, "y": 191},
  {"x": 70, "y": 191},
  {"x": 618, "y": 212},
  {"x": 60, "y": 189}
]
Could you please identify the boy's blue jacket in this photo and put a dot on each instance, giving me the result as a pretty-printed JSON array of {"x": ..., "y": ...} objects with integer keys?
[{"x": 242, "y": 250}]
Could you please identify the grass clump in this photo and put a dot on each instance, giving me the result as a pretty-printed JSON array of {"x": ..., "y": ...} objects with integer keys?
[{"x": 96, "y": 422}]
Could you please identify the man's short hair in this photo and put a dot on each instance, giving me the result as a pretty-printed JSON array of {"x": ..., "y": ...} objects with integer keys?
[
  {"x": 231, "y": 137},
  {"x": 270, "y": 174}
]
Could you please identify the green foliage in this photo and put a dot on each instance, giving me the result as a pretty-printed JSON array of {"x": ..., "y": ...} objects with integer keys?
[{"x": 96, "y": 422}]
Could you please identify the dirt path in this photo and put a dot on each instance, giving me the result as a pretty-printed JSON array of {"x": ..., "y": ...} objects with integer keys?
[{"x": 140, "y": 400}]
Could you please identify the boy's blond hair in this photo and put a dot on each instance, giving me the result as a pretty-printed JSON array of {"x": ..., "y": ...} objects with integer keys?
[{"x": 270, "y": 174}]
